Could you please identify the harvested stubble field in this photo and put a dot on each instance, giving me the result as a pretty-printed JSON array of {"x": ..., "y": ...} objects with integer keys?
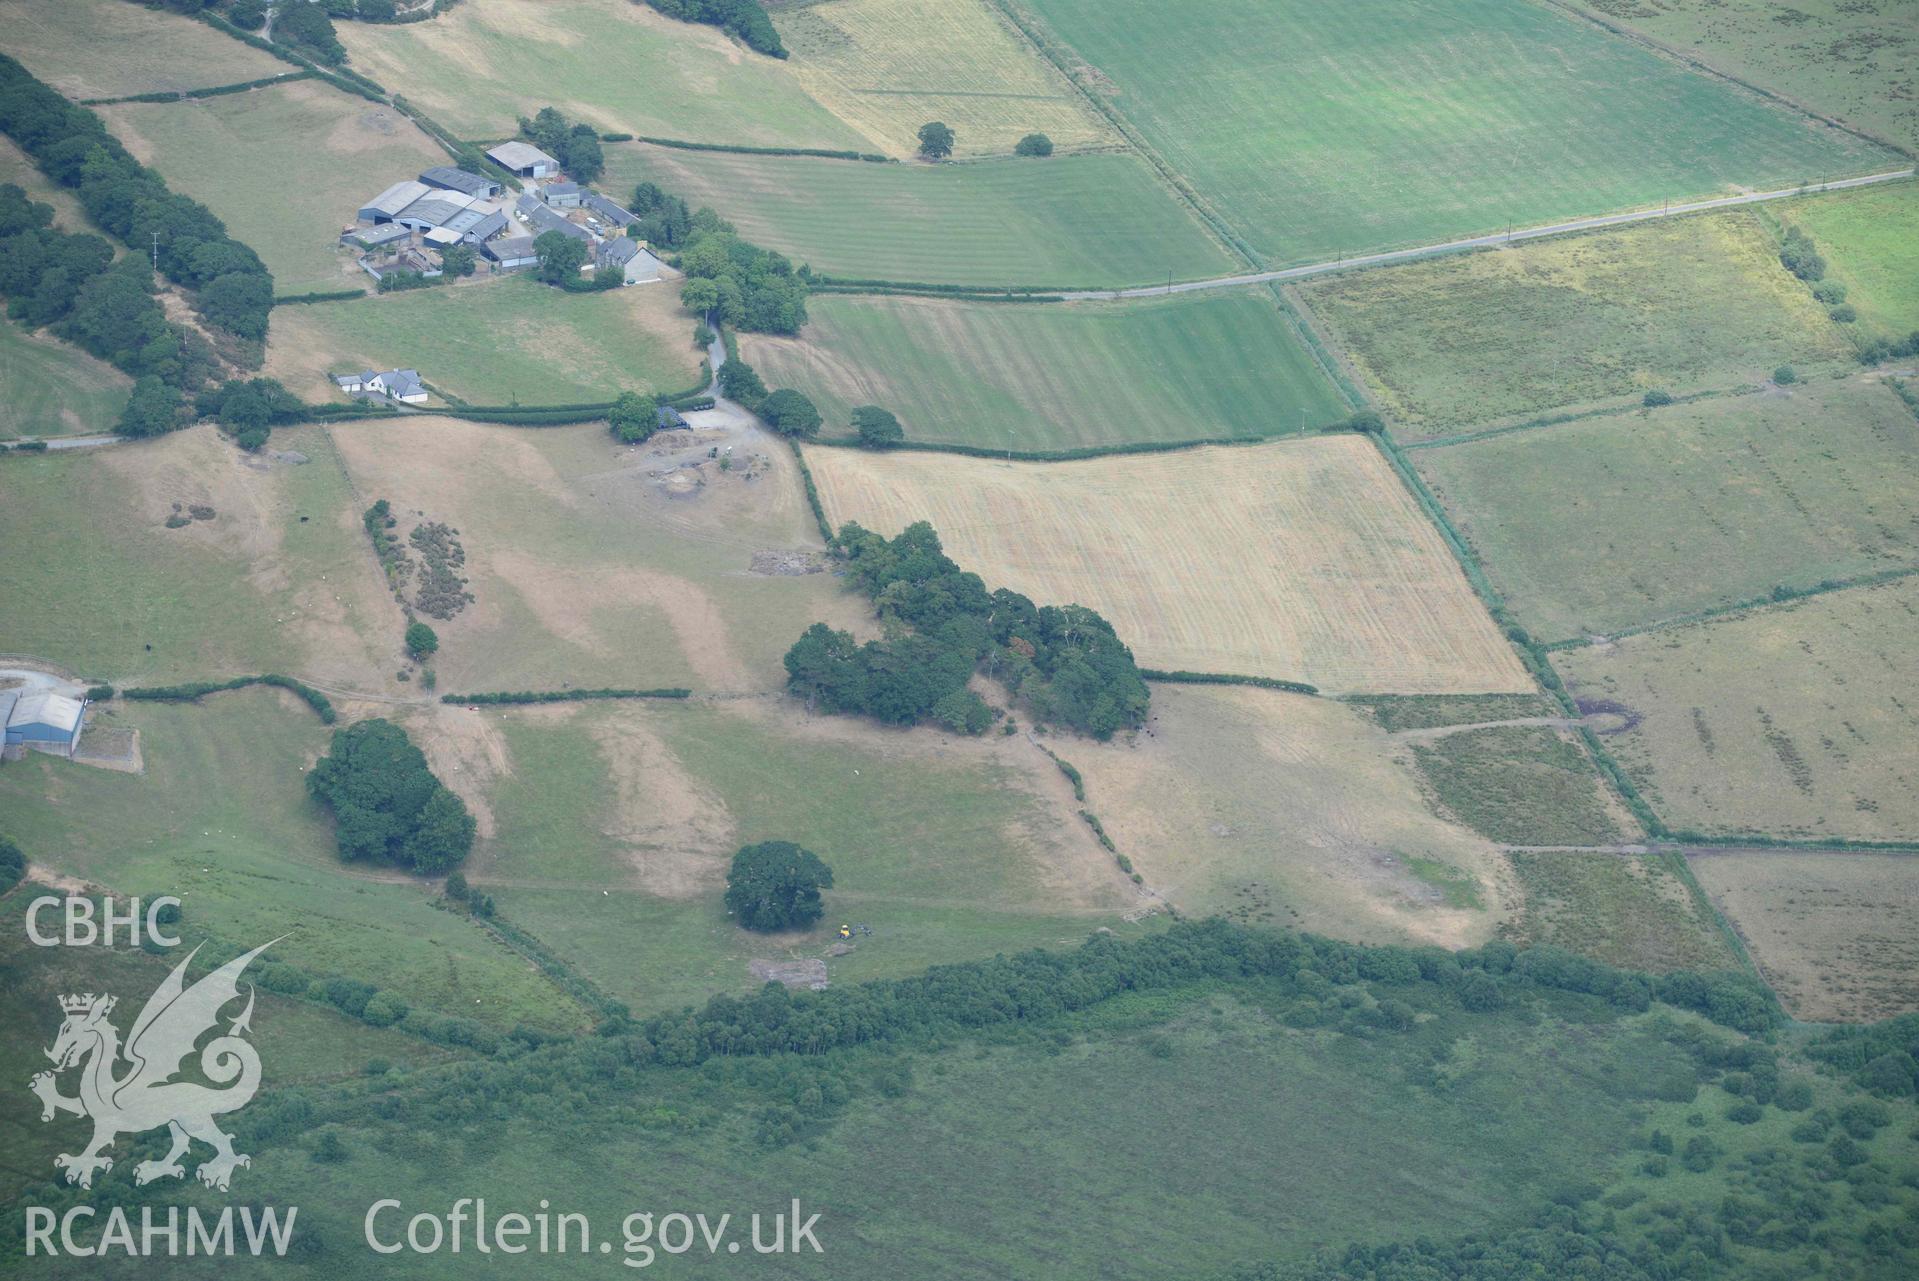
[
  {"x": 1852, "y": 60},
  {"x": 886, "y": 66},
  {"x": 1614, "y": 522},
  {"x": 1381, "y": 123},
  {"x": 1627, "y": 910},
  {"x": 998, "y": 375},
  {"x": 1790, "y": 721},
  {"x": 1305, "y": 560},
  {"x": 481, "y": 65},
  {"x": 1870, "y": 241},
  {"x": 1831, "y": 930},
  {"x": 53, "y": 389},
  {"x": 1518, "y": 784},
  {"x": 1094, "y": 221},
  {"x": 110, "y": 49},
  {"x": 276, "y": 581},
  {"x": 494, "y": 342},
  {"x": 285, "y": 168},
  {"x": 1287, "y": 810},
  {"x": 595, "y": 564},
  {"x": 1503, "y": 335}
]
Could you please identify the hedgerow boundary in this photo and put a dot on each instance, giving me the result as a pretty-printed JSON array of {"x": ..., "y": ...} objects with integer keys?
[
  {"x": 508, "y": 698},
  {"x": 188, "y": 95},
  {"x": 194, "y": 691},
  {"x": 1780, "y": 595}
]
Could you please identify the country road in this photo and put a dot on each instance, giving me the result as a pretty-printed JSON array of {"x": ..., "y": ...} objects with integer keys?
[{"x": 1481, "y": 242}]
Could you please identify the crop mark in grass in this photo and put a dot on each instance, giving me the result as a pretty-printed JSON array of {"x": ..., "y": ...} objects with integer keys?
[
  {"x": 1788, "y": 753},
  {"x": 1459, "y": 888},
  {"x": 964, "y": 93}
]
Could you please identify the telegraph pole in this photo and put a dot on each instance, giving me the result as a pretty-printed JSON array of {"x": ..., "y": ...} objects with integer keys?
[{"x": 156, "y": 253}]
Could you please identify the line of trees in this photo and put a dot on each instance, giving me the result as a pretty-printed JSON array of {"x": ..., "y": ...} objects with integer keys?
[
  {"x": 1065, "y": 663},
  {"x": 113, "y": 312},
  {"x": 575, "y": 146}
]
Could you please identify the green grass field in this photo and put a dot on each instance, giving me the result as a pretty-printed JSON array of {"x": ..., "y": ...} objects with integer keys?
[
  {"x": 1404, "y": 123},
  {"x": 1848, "y": 59},
  {"x": 495, "y": 342},
  {"x": 1870, "y": 240},
  {"x": 1790, "y": 721},
  {"x": 887, "y": 66},
  {"x": 1506, "y": 335},
  {"x": 245, "y": 592},
  {"x": 1519, "y": 785},
  {"x": 1614, "y": 522},
  {"x": 54, "y": 389},
  {"x": 1056, "y": 376},
  {"x": 221, "y": 819},
  {"x": 483, "y": 64},
  {"x": 285, "y": 168},
  {"x": 1088, "y": 220},
  {"x": 313, "y": 1043},
  {"x": 947, "y": 856},
  {"x": 104, "y": 49},
  {"x": 1626, "y": 910}
]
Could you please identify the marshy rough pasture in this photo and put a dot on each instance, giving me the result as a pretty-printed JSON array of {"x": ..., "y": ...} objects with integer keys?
[{"x": 1237, "y": 640}]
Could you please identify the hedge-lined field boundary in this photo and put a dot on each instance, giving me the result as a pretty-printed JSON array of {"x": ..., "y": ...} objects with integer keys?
[
  {"x": 194, "y": 691},
  {"x": 514, "y": 697},
  {"x": 187, "y": 95}
]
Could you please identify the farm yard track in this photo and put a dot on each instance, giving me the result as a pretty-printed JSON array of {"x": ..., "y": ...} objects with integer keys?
[{"x": 1491, "y": 241}]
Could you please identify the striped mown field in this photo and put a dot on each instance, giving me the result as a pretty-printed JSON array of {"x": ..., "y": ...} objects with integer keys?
[
  {"x": 888, "y": 66},
  {"x": 1092, "y": 221},
  {"x": 1314, "y": 129},
  {"x": 1056, "y": 376},
  {"x": 1305, "y": 560}
]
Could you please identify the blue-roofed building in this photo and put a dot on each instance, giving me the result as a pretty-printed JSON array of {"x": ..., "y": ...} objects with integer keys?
[{"x": 45, "y": 722}]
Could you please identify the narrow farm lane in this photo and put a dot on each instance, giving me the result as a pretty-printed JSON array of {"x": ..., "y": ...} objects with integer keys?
[{"x": 1484, "y": 242}]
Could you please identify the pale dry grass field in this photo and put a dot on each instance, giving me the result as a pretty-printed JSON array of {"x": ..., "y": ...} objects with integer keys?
[
  {"x": 1831, "y": 930},
  {"x": 595, "y": 564},
  {"x": 285, "y": 167},
  {"x": 1291, "y": 810},
  {"x": 109, "y": 49},
  {"x": 888, "y": 66},
  {"x": 1792, "y": 721},
  {"x": 1304, "y": 560}
]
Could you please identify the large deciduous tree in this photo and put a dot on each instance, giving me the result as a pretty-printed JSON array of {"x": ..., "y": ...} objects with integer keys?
[
  {"x": 775, "y": 885},
  {"x": 936, "y": 140}
]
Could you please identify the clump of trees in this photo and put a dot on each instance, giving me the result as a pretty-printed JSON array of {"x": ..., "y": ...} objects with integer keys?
[
  {"x": 1034, "y": 144},
  {"x": 634, "y": 418},
  {"x": 744, "y": 20},
  {"x": 387, "y": 805},
  {"x": 561, "y": 257},
  {"x": 310, "y": 27},
  {"x": 1064, "y": 662},
  {"x": 664, "y": 219},
  {"x": 775, "y": 885},
  {"x": 790, "y": 413},
  {"x": 248, "y": 410},
  {"x": 936, "y": 140},
  {"x": 422, "y": 642},
  {"x": 1801, "y": 257},
  {"x": 742, "y": 284}
]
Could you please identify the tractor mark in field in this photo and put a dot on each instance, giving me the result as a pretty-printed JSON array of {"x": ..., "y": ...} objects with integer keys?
[{"x": 1483, "y": 242}]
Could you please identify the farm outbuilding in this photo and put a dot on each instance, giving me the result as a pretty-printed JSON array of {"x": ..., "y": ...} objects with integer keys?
[
  {"x": 510, "y": 253},
  {"x": 524, "y": 160},
  {"x": 46, "y": 722},
  {"x": 561, "y": 195},
  {"x": 386, "y": 206},
  {"x": 607, "y": 209},
  {"x": 447, "y": 178}
]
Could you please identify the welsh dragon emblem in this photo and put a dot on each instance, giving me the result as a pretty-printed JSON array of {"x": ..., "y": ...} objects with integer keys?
[{"x": 146, "y": 1094}]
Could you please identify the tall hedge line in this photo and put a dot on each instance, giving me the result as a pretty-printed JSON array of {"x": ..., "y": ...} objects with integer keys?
[{"x": 194, "y": 691}]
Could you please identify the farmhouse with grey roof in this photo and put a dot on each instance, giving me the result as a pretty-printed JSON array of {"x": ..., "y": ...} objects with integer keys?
[
  {"x": 447, "y": 177},
  {"x": 523, "y": 159},
  {"x": 392, "y": 384}
]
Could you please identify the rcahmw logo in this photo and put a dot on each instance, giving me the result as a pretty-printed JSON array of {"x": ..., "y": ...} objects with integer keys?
[{"x": 131, "y": 1088}]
